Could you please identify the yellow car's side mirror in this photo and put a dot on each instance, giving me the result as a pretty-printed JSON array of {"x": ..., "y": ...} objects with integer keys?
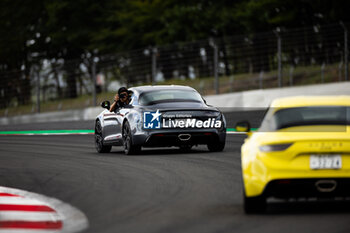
[{"x": 243, "y": 126}]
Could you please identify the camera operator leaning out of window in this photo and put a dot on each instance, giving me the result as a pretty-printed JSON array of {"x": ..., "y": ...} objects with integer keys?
[{"x": 121, "y": 99}]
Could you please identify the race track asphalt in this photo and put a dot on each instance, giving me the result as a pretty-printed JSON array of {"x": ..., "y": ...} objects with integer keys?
[{"x": 161, "y": 190}]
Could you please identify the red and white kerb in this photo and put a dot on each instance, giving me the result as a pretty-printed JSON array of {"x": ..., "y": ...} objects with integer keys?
[
  {"x": 22, "y": 211},
  {"x": 18, "y": 212}
]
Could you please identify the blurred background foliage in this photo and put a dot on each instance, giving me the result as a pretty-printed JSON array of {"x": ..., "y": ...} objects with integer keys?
[
  {"x": 65, "y": 28},
  {"x": 37, "y": 31}
]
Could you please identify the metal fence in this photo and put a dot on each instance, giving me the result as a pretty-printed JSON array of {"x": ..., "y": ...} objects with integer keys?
[{"x": 217, "y": 65}]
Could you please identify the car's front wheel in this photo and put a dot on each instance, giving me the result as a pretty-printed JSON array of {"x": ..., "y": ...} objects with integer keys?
[
  {"x": 99, "y": 139},
  {"x": 129, "y": 147}
]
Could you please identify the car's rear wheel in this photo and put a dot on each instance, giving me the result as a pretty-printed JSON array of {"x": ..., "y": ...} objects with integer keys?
[
  {"x": 129, "y": 147},
  {"x": 99, "y": 140},
  {"x": 254, "y": 205},
  {"x": 216, "y": 147}
]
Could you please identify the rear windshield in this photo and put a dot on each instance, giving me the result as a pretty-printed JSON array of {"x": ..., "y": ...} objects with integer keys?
[
  {"x": 301, "y": 116},
  {"x": 156, "y": 97}
]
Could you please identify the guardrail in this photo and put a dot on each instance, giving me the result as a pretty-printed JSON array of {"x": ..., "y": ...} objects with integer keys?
[{"x": 247, "y": 100}]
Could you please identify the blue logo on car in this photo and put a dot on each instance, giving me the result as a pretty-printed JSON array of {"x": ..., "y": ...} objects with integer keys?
[{"x": 151, "y": 120}]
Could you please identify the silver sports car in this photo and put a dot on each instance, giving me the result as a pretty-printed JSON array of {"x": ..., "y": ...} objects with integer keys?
[{"x": 158, "y": 116}]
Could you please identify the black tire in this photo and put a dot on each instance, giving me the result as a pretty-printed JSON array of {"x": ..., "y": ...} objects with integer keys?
[
  {"x": 216, "y": 147},
  {"x": 99, "y": 140},
  {"x": 129, "y": 147},
  {"x": 254, "y": 205}
]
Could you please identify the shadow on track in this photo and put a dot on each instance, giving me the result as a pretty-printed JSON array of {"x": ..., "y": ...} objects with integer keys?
[
  {"x": 308, "y": 207},
  {"x": 162, "y": 151},
  {"x": 285, "y": 208}
]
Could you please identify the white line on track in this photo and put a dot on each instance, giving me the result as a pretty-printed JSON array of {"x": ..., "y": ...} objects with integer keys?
[
  {"x": 38, "y": 134},
  {"x": 235, "y": 132},
  {"x": 33, "y": 134}
]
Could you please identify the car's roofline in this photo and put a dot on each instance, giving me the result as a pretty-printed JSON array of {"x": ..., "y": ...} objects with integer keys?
[
  {"x": 149, "y": 88},
  {"x": 308, "y": 101}
]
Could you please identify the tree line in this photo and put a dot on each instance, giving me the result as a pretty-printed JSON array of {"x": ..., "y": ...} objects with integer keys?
[{"x": 34, "y": 30}]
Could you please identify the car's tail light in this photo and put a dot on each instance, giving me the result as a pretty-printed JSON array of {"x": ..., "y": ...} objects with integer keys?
[
  {"x": 158, "y": 135},
  {"x": 275, "y": 147},
  {"x": 283, "y": 182}
]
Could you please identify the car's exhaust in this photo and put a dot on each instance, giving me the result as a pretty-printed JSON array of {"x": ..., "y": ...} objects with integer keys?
[
  {"x": 326, "y": 186},
  {"x": 184, "y": 137}
]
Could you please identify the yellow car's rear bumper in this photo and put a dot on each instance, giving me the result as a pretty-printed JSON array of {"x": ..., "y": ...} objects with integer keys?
[{"x": 268, "y": 169}]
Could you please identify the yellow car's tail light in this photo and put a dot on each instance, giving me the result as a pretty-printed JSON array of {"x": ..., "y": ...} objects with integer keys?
[{"x": 275, "y": 147}]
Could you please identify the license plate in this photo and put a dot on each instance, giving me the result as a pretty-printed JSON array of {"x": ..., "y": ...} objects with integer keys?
[{"x": 325, "y": 162}]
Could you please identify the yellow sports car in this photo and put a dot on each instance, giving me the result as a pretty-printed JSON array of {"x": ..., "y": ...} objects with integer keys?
[{"x": 302, "y": 149}]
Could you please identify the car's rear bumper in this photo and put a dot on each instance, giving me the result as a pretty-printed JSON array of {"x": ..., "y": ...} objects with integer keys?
[
  {"x": 312, "y": 187},
  {"x": 264, "y": 175},
  {"x": 159, "y": 138}
]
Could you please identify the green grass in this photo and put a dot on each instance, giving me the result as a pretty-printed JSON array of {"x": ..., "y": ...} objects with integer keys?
[
  {"x": 242, "y": 82},
  {"x": 58, "y": 105},
  {"x": 74, "y": 131},
  {"x": 47, "y": 132},
  {"x": 249, "y": 81}
]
